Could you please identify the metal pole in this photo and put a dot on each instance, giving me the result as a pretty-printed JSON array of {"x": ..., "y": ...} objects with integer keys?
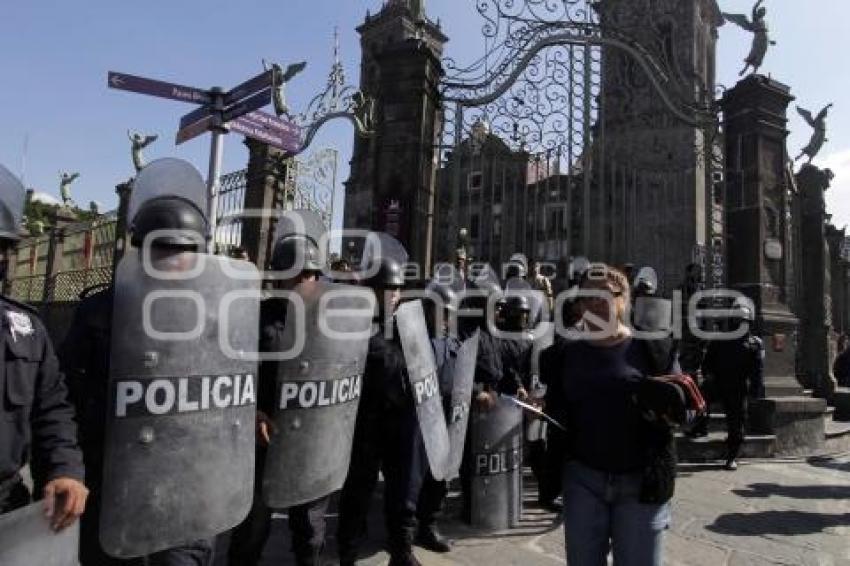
[{"x": 216, "y": 151}]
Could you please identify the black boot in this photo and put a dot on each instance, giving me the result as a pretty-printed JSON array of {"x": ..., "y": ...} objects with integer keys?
[
  {"x": 429, "y": 538},
  {"x": 404, "y": 558}
]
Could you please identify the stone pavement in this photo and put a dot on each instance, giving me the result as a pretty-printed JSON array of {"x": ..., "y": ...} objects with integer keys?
[{"x": 772, "y": 511}]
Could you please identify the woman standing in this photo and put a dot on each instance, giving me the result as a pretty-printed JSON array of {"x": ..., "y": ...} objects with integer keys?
[{"x": 620, "y": 461}]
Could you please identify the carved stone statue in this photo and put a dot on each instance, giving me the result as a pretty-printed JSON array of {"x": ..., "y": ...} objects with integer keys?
[
  {"x": 139, "y": 142},
  {"x": 761, "y": 39},
  {"x": 65, "y": 181},
  {"x": 279, "y": 81},
  {"x": 819, "y": 136}
]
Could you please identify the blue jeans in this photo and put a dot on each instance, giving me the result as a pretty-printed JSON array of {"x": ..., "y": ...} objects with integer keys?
[{"x": 602, "y": 510}]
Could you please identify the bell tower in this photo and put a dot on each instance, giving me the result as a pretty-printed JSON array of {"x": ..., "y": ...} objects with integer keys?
[{"x": 392, "y": 182}]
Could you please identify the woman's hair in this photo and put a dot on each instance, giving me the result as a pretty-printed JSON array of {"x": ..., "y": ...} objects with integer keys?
[{"x": 614, "y": 278}]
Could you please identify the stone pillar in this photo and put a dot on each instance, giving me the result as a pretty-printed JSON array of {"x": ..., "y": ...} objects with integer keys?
[
  {"x": 12, "y": 264},
  {"x": 55, "y": 252},
  {"x": 838, "y": 276},
  {"x": 264, "y": 195},
  {"x": 123, "y": 190},
  {"x": 758, "y": 209},
  {"x": 816, "y": 313}
]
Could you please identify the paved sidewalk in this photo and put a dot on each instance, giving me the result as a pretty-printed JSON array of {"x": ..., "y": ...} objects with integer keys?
[{"x": 794, "y": 512}]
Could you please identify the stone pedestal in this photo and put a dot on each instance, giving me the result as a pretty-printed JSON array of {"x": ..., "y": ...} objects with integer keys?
[{"x": 797, "y": 422}]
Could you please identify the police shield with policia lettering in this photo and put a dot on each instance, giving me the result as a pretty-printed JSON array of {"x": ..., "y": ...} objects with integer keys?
[
  {"x": 425, "y": 387},
  {"x": 318, "y": 392},
  {"x": 179, "y": 447}
]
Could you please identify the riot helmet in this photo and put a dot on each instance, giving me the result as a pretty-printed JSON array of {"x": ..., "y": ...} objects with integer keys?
[
  {"x": 646, "y": 282},
  {"x": 12, "y": 197},
  {"x": 296, "y": 250},
  {"x": 517, "y": 312},
  {"x": 169, "y": 194},
  {"x": 184, "y": 225}
]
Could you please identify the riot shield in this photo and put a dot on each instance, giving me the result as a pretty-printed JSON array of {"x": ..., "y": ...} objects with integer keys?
[
  {"x": 167, "y": 177},
  {"x": 317, "y": 393},
  {"x": 12, "y": 197},
  {"x": 497, "y": 466},
  {"x": 652, "y": 314},
  {"x": 422, "y": 372},
  {"x": 179, "y": 444},
  {"x": 462, "y": 383},
  {"x": 26, "y": 539}
]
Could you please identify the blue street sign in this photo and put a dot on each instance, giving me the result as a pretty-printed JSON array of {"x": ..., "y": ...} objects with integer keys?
[
  {"x": 249, "y": 87},
  {"x": 142, "y": 85},
  {"x": 249, "y": 105}
]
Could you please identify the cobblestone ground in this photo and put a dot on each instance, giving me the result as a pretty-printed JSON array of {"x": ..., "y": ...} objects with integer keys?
[{"x": 794, "y": 512}]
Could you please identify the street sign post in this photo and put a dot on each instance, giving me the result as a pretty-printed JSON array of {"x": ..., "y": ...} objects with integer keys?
[{"x": 240, "y": 107}]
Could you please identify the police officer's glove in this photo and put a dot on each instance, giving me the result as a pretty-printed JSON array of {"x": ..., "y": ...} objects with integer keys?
[
  {"x": 265, "y": 429},
  {"x": 64, "y": 502},
  {"x": 485, "y": 400}
]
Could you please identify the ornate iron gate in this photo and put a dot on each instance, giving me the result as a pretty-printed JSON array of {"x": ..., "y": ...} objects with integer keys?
[{"x": 586, "y": 128}]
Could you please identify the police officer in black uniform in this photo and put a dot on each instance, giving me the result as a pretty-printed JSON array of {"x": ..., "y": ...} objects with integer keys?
[
  {"x": 384, "y": 432},
  {"x": 473, "y": 315},
  {"x": 36, "y": 418},
  {"x": 85, "y": 356},
  {"x": 736, "y": 368},
  {"x": 426, "y": 494},
  {"x": 307, "y": 521}
]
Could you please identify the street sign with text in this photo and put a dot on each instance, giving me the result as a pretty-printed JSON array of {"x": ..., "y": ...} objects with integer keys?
[
  {"x": 195, "y": 116},
  {"x": 274, "y": 123},
  {"x": 249, "y": 87},
  {"x": 249, "y": 105},
  {"x": 142, "y": 85},
  {"x": 285, "y": 142},
  {"x": 195, "y": 129}
]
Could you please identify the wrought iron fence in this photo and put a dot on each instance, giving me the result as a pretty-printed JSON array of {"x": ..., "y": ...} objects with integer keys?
[{"x": 583, "y": 129}]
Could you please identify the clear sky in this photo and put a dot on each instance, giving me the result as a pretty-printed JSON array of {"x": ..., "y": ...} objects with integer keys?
[{"x": 54, "y": 56}]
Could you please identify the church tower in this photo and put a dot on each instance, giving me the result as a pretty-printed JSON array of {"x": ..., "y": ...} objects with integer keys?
[
  {"x": 392, "y": 182},
  {"x": 656, "y": 206}
]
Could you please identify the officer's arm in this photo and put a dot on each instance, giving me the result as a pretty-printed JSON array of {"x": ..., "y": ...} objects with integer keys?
[
  {"x": 54, "y": 432},
  {"x": 57, "y": 459}
]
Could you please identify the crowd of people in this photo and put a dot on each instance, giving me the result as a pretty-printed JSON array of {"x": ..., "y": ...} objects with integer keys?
[{"x": 607, "y": 399}]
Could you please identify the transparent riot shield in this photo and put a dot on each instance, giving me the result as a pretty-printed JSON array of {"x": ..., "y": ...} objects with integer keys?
[
  {"x": 425, "y": 386},
  {"x": 317, "y": 392},
  {"x": 180, "y": 426}
]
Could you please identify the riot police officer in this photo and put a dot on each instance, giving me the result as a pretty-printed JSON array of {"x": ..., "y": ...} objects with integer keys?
[
  {"x": 37, "y": 423},
  {"x": 85, "y": 357},
  {"x": 736, "y": 367},
  {"x": 426, "y": 494},
  {"x": 384, "y": 431},
  {"x": 297, "y": 257}
]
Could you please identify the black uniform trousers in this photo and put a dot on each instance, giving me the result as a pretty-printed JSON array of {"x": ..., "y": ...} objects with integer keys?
[
  {"x": 384, "y": 440},
  {"x": 306, "y": 523}
]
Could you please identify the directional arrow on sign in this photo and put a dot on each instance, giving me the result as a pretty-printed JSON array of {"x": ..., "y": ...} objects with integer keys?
[{"x": 162, "y": 89}]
